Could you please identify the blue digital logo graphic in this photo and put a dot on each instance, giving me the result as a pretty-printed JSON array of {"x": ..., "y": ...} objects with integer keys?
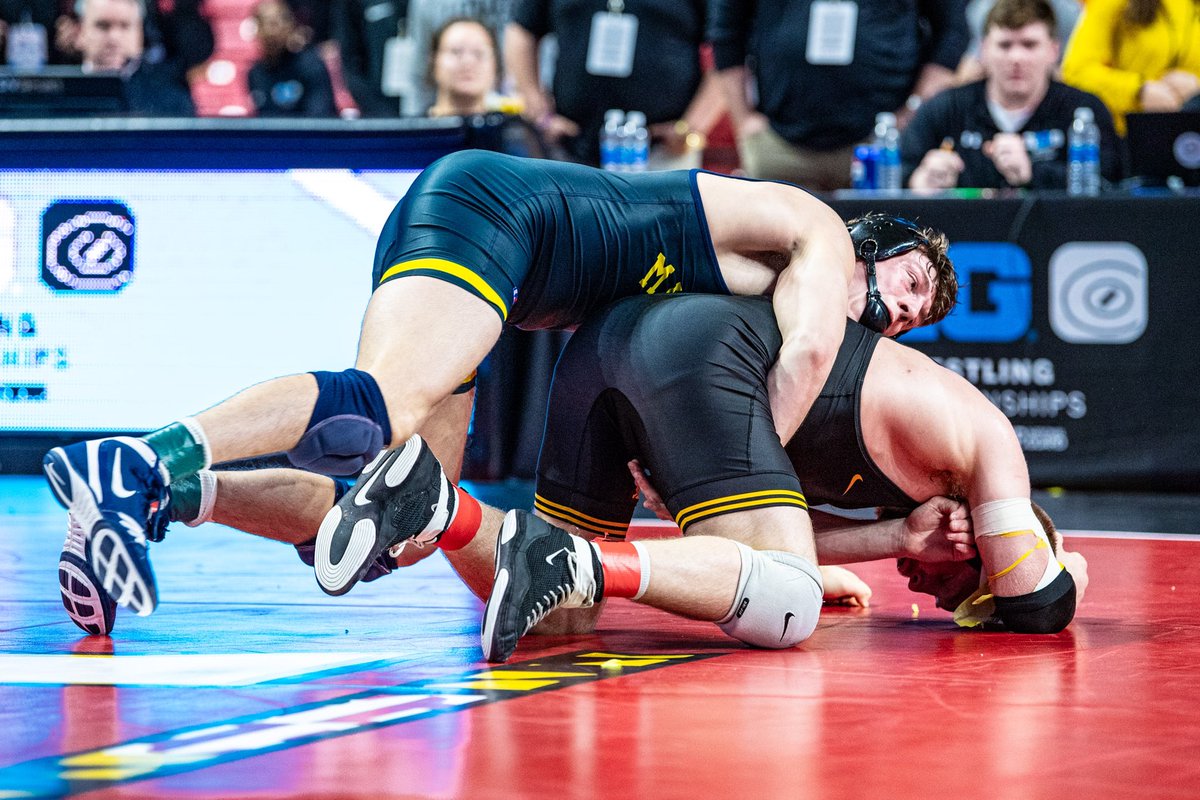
[
  {"x": 87, "y": 246},
  {"x": 995, "y": 297}
]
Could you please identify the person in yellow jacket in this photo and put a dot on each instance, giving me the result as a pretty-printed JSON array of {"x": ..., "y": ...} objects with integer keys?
[{"x": 1136, "y": 55}]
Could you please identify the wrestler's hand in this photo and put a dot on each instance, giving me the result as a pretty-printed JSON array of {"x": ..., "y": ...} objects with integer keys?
[
  {"x": 938, "y": 530},
  {"x": 652, "y": 501},
  {"x": 844, "y": 588},
  {"x": 1074, "y": 563}
]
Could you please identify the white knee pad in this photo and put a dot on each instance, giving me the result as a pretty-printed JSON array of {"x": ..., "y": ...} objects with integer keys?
[{"x": 778, "y": 599}]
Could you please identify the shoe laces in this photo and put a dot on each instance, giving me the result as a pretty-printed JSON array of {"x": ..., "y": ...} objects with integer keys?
[
  {"x": 548, "y": 602},
  {"x": 579, "y": 589},
  {"x": 75, "y": 536}
]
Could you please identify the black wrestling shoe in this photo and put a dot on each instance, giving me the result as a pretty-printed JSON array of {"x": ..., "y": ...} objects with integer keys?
[
  {"x": 402, "y": 496},
  {"x": 381, "y": 566},
  {"x": 538, "y": 568}
]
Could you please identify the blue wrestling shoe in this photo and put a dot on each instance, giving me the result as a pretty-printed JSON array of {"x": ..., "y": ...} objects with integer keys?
[
  {"x": 538, "y": 568},
  {"x": 116, "y": 490},
  {"x": 402, "y": 496},
  {"x": 87, "y": 604}
]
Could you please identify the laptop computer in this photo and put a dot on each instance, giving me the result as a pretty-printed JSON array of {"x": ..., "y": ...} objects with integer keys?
[
  {"x": 60, "y": 92},
  {"x": 1164, "y": 145}
]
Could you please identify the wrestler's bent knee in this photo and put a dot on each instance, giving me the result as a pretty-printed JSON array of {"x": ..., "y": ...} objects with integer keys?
[
  {"x": 348, "y": 427},
  {"x": 778, "y": 600}
]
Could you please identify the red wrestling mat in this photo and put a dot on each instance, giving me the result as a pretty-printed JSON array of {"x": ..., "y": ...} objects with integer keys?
[{"x": 248, "y": 682}]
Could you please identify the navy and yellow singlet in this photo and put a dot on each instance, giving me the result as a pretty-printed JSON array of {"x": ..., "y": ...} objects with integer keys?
[{"x": 547, "y": 243}]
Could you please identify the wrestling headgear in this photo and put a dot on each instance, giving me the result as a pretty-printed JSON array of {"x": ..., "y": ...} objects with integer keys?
[{"x": 878, "y": 237}]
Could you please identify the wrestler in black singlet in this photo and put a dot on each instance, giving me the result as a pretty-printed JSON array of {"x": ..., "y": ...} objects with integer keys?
[
  {"x": 680, "y": 383},
  {"x": 547, "y": 243}
]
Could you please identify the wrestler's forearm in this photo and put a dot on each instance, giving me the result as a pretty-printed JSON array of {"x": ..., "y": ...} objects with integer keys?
[
  {"x": 846, "y": 541},
  {"x": 810, "y": 302}
]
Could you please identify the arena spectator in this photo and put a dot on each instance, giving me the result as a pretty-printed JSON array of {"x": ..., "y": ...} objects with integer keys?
[
  {"x": 464, "y": 71},
  {"x": 175, "y": 32},
  {"x": 823, "y": 71},
  {"x": 463, "y": 68},
  {"x": 384, "y": 47},
  {"x": 1010, "y": 129},
  {"x": 1066, "y": 12},
  {"x": 111, "y": 39},
  {"x": 655, "y": 68},
  {"x": 290, "y": 79},
  {"x": 1136, "y": 55}
]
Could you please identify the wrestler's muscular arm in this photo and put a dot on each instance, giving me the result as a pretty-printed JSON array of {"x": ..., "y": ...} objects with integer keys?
[
  {"x": 935, "y": 433},
  {"x": 778, "y": 240}
]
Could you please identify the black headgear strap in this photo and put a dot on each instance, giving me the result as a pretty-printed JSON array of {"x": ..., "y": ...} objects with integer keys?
[{"x": 880, "y": 237}]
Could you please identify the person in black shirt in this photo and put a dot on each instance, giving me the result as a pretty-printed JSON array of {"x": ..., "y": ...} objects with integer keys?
[
  {"x": 823, "y": 71},
  {"x": 290, "y": 80},
  {"x": 1010, "y": 129},
  {"x": 657, "y": 73}
]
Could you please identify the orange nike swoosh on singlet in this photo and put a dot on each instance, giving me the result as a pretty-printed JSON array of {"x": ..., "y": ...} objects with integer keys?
[{"x": 853, "y": 480}]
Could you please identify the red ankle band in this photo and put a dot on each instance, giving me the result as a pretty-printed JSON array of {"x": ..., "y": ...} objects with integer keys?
[
  {"x": 465, "y": 525},
  {"x": 622, "y": 568}
]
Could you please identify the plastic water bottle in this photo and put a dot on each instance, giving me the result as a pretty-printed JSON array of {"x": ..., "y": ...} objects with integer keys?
[
  {"x": 887, "y": 148},
  {"x": 611, "y": 139},
  {"x": 864, "y": 168},
  {"x": 637, "y": 142},
  {"x": 1083, "y": 155}
]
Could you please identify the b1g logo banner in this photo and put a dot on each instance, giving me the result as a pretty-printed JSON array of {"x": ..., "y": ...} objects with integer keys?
[
  {"x": 87, "y": 246},
  {"x": 995, "y": 296}
]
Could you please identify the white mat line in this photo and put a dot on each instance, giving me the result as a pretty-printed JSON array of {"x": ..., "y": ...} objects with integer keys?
[{"x": 1145, "y": 536}]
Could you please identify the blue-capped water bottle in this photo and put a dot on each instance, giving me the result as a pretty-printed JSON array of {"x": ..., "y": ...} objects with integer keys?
[
  {"x": 1083, "y": 154},
  {"x": 611, "y": 139},
  {"x": 863, "y": 168}
]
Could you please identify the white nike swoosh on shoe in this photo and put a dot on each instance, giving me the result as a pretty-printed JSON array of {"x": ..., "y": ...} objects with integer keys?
[
  {"x": 60, "y": 485},
  {"x": 360, "y": 497},
  {"x": 550, "y": 558},
  {"x": 118, "y": 485}
]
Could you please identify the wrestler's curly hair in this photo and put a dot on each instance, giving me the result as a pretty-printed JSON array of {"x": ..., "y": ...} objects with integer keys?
[{"x": 945, "y": 280}]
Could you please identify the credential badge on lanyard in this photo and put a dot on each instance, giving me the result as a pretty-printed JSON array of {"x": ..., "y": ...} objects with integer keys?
[
  {"x": 612, "y": 42},
  {"x": 832, "y": 25},
  {"x": 399, "y": 53}
]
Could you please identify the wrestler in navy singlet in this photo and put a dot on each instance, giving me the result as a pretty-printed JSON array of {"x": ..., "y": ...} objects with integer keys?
[
  {"x": 692, "y": 369},
  {"x": 547, "y": 243}
]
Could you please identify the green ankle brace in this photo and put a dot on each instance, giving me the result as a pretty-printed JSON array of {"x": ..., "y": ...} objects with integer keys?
[{"x": 181, "y": 454}]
